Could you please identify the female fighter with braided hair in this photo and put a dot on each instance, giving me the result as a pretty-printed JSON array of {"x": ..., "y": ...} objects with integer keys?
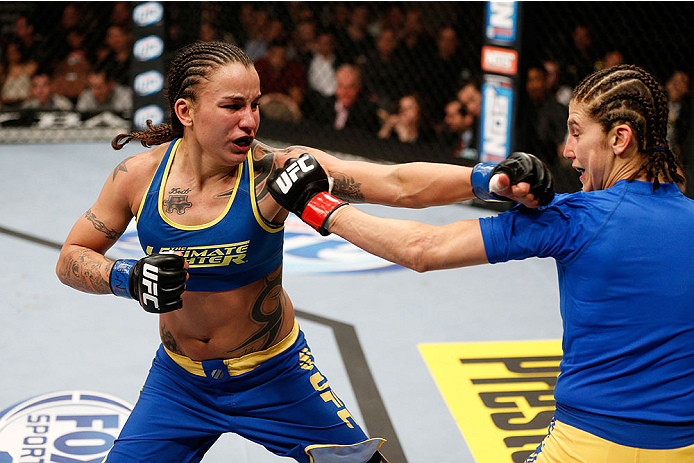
[
  {"x": 625, "y": 260},
  {"x": 233, "y": 358}
]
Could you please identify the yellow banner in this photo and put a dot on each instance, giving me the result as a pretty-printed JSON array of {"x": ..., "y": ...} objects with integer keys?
[{"x": 501, "y": 394}]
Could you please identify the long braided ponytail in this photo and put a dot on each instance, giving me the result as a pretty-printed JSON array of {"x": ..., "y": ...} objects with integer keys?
[
  {"x": 629, "y": 94},
  {"x": 190, "y": 65}
]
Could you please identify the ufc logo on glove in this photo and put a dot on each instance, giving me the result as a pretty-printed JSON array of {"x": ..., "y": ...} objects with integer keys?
[
  {"x": 289, "y": 176},
  {"x": 149, "y": 281}
]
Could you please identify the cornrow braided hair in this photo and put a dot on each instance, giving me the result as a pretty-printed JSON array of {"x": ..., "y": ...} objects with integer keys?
[
  {"x": 191, "y": 64},
  {"x": 629, "y": 94}
]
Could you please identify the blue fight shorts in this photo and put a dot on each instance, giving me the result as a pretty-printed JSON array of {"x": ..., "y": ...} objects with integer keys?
[{"x": 276, "y": 397}]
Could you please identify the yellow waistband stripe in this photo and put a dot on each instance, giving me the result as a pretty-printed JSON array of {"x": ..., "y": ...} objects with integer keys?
[{"x": 239, "y": 365}]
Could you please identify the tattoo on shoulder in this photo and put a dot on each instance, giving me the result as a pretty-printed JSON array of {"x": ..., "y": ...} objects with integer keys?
[
  {"x": 121, "y": 167},
  {"x": 345, "y": 187},
  {"x": 263, "y": 165},
  {"x": 99, "y": 225}
]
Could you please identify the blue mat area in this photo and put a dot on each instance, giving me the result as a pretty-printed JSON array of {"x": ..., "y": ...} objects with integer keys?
[{"x": 358, "y": 312}]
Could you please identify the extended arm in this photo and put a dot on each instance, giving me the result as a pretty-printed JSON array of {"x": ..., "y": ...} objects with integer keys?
[
  {"x": 420, "y": 184},
  {"x": 415, "y": 245}
]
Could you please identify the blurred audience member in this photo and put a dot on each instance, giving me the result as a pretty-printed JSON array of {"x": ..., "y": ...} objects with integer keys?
[
  {"x": 542, "y": 129},
  {"x": 70, "y": 74},
  {"x": 104, "y": 94},
  {"x": 413, "y": 39},
  {"x": 414, "y": 50},
  {"x": 339, "y": 16},
  {"x": 410, "y": 124},
  {"x": 679, "y": 103},
  {"x": 304, "y": 42},
  {"x": 298, "y": 12},
  {"x": 208, "y": 32},
  {"x": 560, "y": 92},
  {"x": 580, "y": 59},
  {"x": 460, "y": 130},
  {"x": 18, "y": 71},
  {"x": 445, "y": 71},
  {"x": 349, "y": 108},
  {"x": 43, "y": 95},
  {"x": 470, "y": 94},
  {"x": 612, "y": 57},
  {"x": 32, "y": 43},
  {"x": 121, "y": 15},
  {"x": 321, "y": 70},
  {"x": 115, "y": 54},
  {"x": 75, "y": 17},
  {"x": 383, "y": 73},
  {"x": 393, "y": 19},
  {"x": 354, "y": 41},
  {"x": 269, "y": 30},
  {"x": 281, "y": 75}
]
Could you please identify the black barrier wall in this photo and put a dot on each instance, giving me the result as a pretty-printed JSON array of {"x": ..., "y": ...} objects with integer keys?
[{"x": 408, "y": 74}]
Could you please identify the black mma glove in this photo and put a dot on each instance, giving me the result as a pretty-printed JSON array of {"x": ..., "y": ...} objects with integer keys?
[
  {"x": 156, "y": 281},
  {"x": 520, "y": 167},
  {"x": 301, "y": 187}
]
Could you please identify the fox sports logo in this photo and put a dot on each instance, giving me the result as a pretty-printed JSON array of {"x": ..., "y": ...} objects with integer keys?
[
  {"x": 305, "y": 252},
  {"x": 65, "y": 426}
]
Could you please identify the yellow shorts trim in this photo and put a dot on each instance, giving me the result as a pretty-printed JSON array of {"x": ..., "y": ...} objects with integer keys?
[
  {"x": 566, "y": 444},
  {"x": 239, "y": 365}
]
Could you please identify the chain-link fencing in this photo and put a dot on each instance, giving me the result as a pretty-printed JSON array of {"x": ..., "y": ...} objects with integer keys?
[{"x": 396, "y": 81}]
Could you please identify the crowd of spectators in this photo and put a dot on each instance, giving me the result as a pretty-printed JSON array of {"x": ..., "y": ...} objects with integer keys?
[
  {"x": 76, "y": 61},
  {"x": 384, "y": 71}
]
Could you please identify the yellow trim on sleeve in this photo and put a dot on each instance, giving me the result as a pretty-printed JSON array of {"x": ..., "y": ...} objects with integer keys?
[{"x": 254, "y": 202}]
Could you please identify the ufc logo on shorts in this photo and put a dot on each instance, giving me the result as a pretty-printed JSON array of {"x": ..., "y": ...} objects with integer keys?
[
  {"x": 288, "y": 177},
  {"x": 149, "y": 281}
]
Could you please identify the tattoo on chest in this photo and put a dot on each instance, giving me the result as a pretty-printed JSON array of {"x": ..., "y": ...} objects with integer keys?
[
  {"x": 99, "y": 225},
  {"x": 268, "y": 312},
  {"x": 177, "y": 201}
]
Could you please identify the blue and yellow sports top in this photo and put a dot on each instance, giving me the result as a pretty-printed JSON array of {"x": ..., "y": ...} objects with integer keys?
[{"x": 235, "y": 249}]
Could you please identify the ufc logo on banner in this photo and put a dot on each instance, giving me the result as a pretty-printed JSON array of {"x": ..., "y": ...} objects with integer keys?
[
  {"x": 288, "y": 177},
  {"x": 150, "y": 277}
]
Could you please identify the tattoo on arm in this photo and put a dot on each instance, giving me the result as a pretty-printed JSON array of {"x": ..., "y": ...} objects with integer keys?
[
  {"x": 121, "y": 167},
  {"x": 169, "y": 341},
  {"x": 86, "y": 271},
  {"x": 345, "y": 187},
  {"x": 99, "y": 225}
]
